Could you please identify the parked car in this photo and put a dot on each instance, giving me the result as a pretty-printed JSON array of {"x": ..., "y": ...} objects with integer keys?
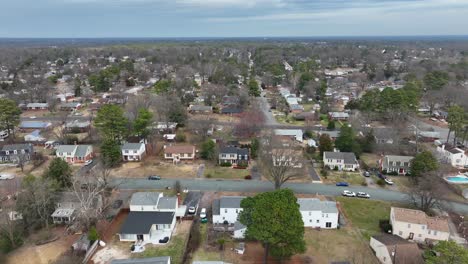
[
  {"x": 343, "y": 184},
  {"x": 192, "y": 210},
  {"x": 88, "y": 162},
  {"x": 362, "y": 195},
  {"x": 348, "y": 193},
  {"x": 388, "y": 181},
  {"x": 366, "y": 174},
  {"x": 380, "y": 175},
  {"x": 164, "y": 240},
  {"x": 137, "y": 248},
  {"x": 117, "y": 203},
  {"x": 203, "y": 213},
  {"x": 154, "y": 177}
]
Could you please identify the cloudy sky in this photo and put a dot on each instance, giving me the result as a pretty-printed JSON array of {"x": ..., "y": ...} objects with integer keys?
[{"x": 231, "y": 18}]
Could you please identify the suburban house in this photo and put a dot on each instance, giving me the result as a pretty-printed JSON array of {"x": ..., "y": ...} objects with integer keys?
[
  {"x": 37, "y": 106},
  {"x": 133, "y": 151},
  {"x": 286, "y": 157},
  {"x": 416, "y": 225},
  {"x": 296, "y": 108},
  {"x": 391, "y": 249},
  {"x": 35, "y": 137},
  {"x": 398, "y": 164},
  {"x": 316, "y": 213},
  {"x": 70, "y": 106},
  {"x": 342, "y": 160},
  {"x": 77, "y": 126},
  {"x": 333, "y": 134},
  {"x": 16, "y": 153},
  {"x": 153, "y": 260},
  {"x": 152, "y": 217},
  {"x": 296, "y": 134},
  {"x": 226, "y": 209},
  {"x": 75, "y": 153},
  {"x": 383, "y": 135},
  {"x": 200, "y": 109},
  {"x": 178, "y": 153},
  {"x": 68, "y": 205},
  {"x": 338, "y": 116},
  {"x": 428, "y": 136},
  {"x": 33, "y": 125},
  {"x": 453, "y": 155},
  {"x": 165, "y": 127},
  {"x": 231, "y": 110},
  {"x": 233, "y": 155}
]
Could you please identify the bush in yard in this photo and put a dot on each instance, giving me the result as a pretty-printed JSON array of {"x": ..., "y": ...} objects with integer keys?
[
  {"x": 208, "y": 175},
  {"x": 225, "y": 164},
  {"x": 311, "y": 149},
  {"x": 180, "y": 137},
  {"x": 242, "y": 164},
  {"x": 336, "y": 168},
  {"x": 93, "y": 234},
  {"x": 248, "y": 177},
  {"x": 381, "y": 182},
  {"x": 393, "y": 173},
  {"x": 324, "y": 172},
  {"x": 385, "y": 226}
]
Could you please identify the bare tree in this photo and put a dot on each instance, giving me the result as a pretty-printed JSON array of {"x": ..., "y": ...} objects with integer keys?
[
  {"x": 278, "y": 163},
  {"x": 427, "y": 192}
]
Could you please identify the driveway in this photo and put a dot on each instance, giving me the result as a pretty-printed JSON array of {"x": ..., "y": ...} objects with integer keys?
[
  {"x": 263, "y": 186},
  {"x": 255, "y": 173},
  {"x": 193, "y": 199}
]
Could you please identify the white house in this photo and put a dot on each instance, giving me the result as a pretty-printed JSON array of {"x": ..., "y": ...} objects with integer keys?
[
  {"x": 74, "y": 153},
  {"x": 152, "y": 217},
  {"x": 391, "y": 249},
  {"x": 133, "y": 151},
  {"x": 453, "y": 155},
  {"x": 226, "y": 209},
  {"x": 342, "y": 160},
  {"x": 416, "y": 225},
  {"x": 316, "y": 213},
  {"x": 177, "y": 153},
  {"x": 297, "y": 134}
]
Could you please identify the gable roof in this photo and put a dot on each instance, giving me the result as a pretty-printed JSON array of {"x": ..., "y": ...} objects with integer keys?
[
  {"x": 297, "y": 133},
  {"x": 154, "y": 260},
  {"x": 314, "y": 204},
  {"x": 404, "y": 252},
  {"x": 230, "y": 201},
  {"x": 419, "y": 217},
  {"x": 348, "y": 157},
  {"x": 167, "y": 203},
  {"x": 11, "y": 147},
  {"x": 141, "y": 222},
  {"x": 145, "y": 198},
  {"x": 34, "y": 124},
  {"x": 234, "y": 150},
  {"x": 131, "y": 146},
  {"x": 179, "y": 149},
  {"x": 392, "y": 158},
  {"x": 81, "y": 150}
]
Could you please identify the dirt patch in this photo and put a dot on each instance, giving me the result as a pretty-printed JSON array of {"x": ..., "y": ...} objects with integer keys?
[
  {"x": 43, "y": 254},
  {"x": 105, "y": 255}
]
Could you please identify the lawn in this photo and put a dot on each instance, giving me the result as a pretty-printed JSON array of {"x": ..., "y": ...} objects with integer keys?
[
  {"x": 175, "y": 249},
  {"x": 370, "y": 159},
  {"x": 364, "y": 215},
  {"x": 326, "y": 246},
  {"x": 202, "y": 254},
  {"x": 225, "y": 172},
  {"x": 353, "y": 178},
  {"x": 288, "y": 120}
]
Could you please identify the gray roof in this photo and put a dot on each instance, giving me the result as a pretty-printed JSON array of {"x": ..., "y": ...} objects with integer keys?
[
  {"x": 314, "y": 204},
  {"x": 66, "y": 148},
  {"x": 145, "y": 198},
  {"x": 77, "y": 124},
  {"x": 215, "y": 207},
  {"x": 17, "y": 147},
  {"x": 155, "y": 260},
  {"x": 201, "y": 108},
  {"x": 81, "y": 150},
  {"x": 167, "y": 203},
  {"x": 393, "y": 158},
  {"x": 348, "y": 157},
  {"x": 239, "y": 226},
  {"x": 234, "y": 150},
  {"x": 141, "y": 222},
  {"x": 132, "y": 146},
  {"x": 332, "y": 133},
  {"x": 230, "y": 201}
]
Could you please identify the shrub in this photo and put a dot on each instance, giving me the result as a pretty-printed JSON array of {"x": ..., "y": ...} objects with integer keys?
[
  {"x": 225, "y": 164},
  {"x": 381, "y": 182},
  {"x": 311, "y": 150},
  {"x": 180, "y": 137},
  {"x": 336, "y": 168},
  {"x": 385, "y": 225},
  {"x": 248, "y": 177},
  {"x": 93, "y": 234},
  {"x": 324, "y": 172},
  {"x": 208, "y": 175},
  {"x": 393, "y": 173},
  {"x": 308, "y": 134}
]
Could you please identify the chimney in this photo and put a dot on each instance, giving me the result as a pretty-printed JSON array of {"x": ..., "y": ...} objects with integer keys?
[{"x": 178, "y": 199}]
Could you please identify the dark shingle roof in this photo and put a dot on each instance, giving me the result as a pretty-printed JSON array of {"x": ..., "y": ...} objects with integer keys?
[
  {"x": 232, "y": 150},
  {"x": 154, "y": 260},
  {"x": 348, "y": 157},
  {"x": 141, "y": 222}
]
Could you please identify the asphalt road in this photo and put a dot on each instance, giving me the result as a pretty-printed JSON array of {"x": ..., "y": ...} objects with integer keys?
[{"x": 262, "y": 186}]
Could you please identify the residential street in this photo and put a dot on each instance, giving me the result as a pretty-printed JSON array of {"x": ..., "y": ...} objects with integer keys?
[
  {"x": 270, "y": 120},
  {"x": 262, "y": 186}
]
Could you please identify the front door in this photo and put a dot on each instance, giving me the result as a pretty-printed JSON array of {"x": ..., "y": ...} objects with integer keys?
[
  {"x": 140, "y": 237},
  {"x": 411, "y": 235}
]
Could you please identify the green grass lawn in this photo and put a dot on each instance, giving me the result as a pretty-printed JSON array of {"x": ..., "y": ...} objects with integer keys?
[
  {"x": 353, "y": 178},
  {"x": 288, "y": 120},
  {"x": 175, "y": 249},
  {"x": 218, "y": 172},
  {"x": 364, "y": 215}
]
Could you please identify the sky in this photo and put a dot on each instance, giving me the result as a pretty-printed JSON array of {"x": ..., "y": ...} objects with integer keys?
[{"x": 231, "y": 18}]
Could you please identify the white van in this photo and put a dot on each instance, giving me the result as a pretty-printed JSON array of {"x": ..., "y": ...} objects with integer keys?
[
  {"x": 6, "y": 176},
  {"x": 203, "y": 213}
]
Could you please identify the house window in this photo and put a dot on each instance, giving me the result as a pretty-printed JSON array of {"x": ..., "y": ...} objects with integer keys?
[
  {"x": 223, "y": 155},
  {"x": 142, "y": 208},
  {"x": 126, "y": 151},
  {"x": 419, "y": 235},
  {"x": 310, "y": 213},
  {"x": 435, "y": 233},
  {"x": 400, "y": 233},
  {"x": 328, "y": 224},
  {"x": 310, "y": 221},
  {"x": 423, "y": 227},
  {"x": 428, "y": 232},
  {"x": 225, "y": 210},
  {"x": 326, "y": 215},
  {"x": 237, "y": 211},
  {"x": 409, "y": 225},
  {"x": 318, "y": 221}
]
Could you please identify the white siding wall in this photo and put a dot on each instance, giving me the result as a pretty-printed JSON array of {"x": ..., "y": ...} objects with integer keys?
[
  {"x": 239, "y": 234},
  {"x": 143, "y": 208},
  {"x": 317, "y": 219},
  {"x": 381, "y": 251},
  {"x": 227, "y": 214},
  {"x": 420, "y": 232}
]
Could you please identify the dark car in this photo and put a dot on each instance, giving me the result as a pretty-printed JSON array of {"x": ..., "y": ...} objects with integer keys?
[
  {"x": 117, "y": 203},
  {"x": 164, "y": 240},
  {"x": 380, "y": 175},
  {"x": 154, "y": 177},
  {"x": 343, "y": 184}
]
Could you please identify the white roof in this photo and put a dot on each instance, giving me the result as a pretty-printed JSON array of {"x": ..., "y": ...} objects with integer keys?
[{"x": 297, "y": 133}]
